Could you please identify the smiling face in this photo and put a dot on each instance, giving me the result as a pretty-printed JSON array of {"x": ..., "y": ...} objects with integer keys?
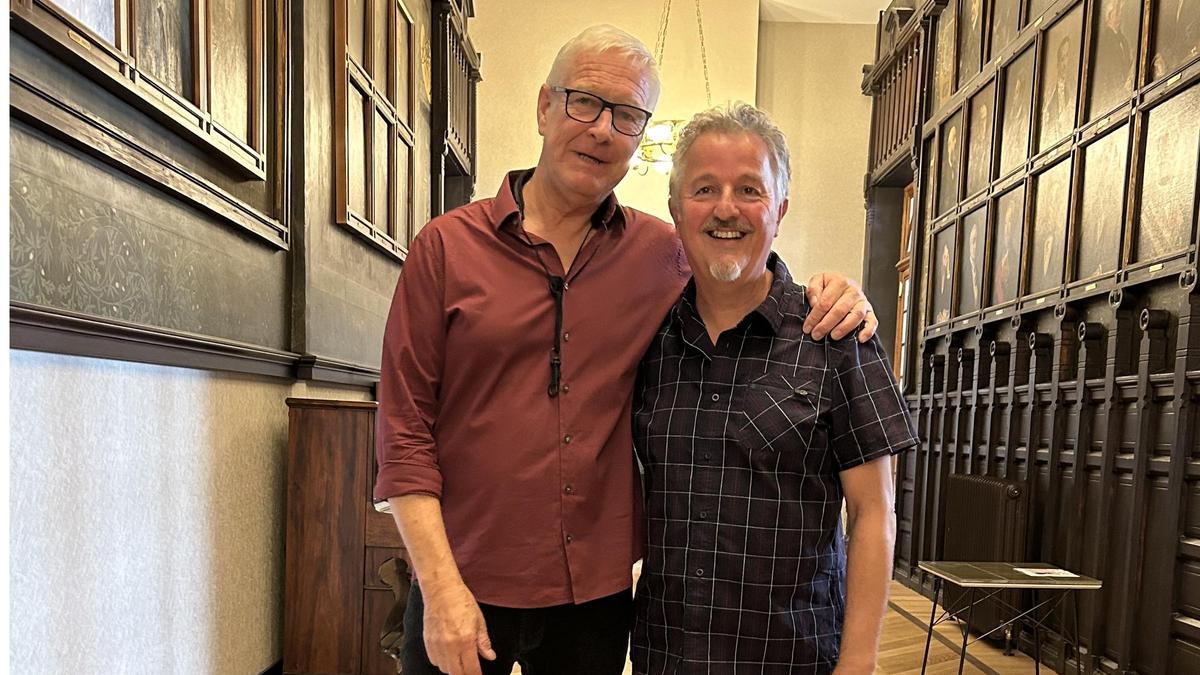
[
  {"x": 585, "y": 161},
  {"x": 725, "y": 213}
]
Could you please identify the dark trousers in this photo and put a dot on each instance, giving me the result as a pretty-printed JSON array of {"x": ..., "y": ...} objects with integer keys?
[{"x": 585, "y": 639}]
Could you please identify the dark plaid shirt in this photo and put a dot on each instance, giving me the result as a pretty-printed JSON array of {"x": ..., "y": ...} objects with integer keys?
[{"x": 741, "y": 444}]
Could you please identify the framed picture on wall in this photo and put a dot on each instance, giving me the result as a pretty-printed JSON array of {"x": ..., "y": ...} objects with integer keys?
[
  {"x": 1114, "y": 54},
  {"x": 970, "y": 272},
  {"x": 951, "y": 162},
  {"x": 970, "y": 39},
  {"x": 1007, "y": 247},
  {"x": 1176, "y": 35},
  {"x": 929, "y": 179},
  {"x": 1004, "y": 24},
  {"x": 943, "y": 273},
  {"x": 979, "y": 147},
  {"x": 1052, "y": 190},
  {"x": 943, "y": 57},
  {"x": 1060, "y": 79},
  {"x": 1014, "y": 130},
  {"x": 1102, "y": 204},
  {"x": 1168, "y": 186}
]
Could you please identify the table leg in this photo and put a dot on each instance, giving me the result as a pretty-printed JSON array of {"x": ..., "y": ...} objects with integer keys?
[
  {"x": 1037, "y": 637},
  {"x": 1074, "y": 607},
  {"x": 962, "y": 655},
  {"x": 937, "y": 588}
]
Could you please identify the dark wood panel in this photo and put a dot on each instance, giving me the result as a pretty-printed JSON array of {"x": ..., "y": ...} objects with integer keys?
[{"x": 323, "y": 588}]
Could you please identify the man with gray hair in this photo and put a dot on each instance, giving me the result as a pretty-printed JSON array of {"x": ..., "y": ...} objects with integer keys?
[
  {"x": 750, "y": 433},
  {"x": 509, "y": 358}
]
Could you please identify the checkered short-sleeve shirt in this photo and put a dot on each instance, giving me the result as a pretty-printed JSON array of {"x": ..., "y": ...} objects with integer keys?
[{"x": 741, "y": 444}]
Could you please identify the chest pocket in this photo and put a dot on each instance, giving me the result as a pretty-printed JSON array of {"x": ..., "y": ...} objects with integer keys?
[{"x": 779, "y": 413}]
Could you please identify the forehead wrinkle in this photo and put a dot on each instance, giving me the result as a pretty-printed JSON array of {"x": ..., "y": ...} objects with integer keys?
[{"x": 610, "y": 79}]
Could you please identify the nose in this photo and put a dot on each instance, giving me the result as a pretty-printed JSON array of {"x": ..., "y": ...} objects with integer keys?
[
  {"x": 726, "y": 206},
  {"x": 601, "y": 129}
]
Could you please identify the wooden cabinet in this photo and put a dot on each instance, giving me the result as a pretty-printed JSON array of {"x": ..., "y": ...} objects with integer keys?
[{"x": 334, "y": 602}]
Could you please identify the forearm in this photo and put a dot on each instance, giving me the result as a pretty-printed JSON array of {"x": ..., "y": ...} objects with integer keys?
[
  {"x": 869, "y": 571},
  {"x": 419, "y": 517}
]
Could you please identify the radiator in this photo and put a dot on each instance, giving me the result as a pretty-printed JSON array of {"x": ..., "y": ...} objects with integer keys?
[{"x": 986, "y": 521}]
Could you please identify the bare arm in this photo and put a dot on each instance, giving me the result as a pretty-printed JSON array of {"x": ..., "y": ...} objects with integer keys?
[
  {"x": 871, "y": 524},
  {"x": 455, "y": 631}
]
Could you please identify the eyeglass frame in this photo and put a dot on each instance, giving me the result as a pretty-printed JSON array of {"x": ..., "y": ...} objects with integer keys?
[{"x": 604, "y": 105}]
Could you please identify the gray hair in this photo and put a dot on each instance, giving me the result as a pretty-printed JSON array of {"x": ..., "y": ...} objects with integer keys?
[
  {"x": 738, "y": 117},
  {"x": 603, "y": 38}
]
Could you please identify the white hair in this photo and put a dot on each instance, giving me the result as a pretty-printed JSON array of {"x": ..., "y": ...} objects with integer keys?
[
  {"x": 600, "y": 39},
  {"x": 738, "y": 117}
]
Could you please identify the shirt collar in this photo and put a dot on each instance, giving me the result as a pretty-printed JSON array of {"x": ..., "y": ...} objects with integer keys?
[
  {"x": 771, "y": 310},
  {"x": 509, "y": 206}
]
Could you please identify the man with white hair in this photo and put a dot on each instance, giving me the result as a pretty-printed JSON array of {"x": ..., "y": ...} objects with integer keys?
[
  {"x": 751, "y": 432},
  {"x": 509, "y": 358}
]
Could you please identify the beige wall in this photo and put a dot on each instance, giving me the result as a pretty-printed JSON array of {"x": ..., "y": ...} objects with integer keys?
[
  {"x": 147, "y": 514},
  {"x": 808, "y": 79},
  {"x": 518, "y": 41}
]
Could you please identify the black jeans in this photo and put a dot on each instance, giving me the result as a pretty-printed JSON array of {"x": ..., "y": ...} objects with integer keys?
[{"x": 586, "y": 639}]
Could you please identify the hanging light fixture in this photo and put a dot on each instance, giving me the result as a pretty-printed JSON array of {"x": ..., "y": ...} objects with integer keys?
[{"x": 658, "y": 142}]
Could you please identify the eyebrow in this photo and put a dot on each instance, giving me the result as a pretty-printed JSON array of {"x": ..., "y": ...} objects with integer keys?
[{"x": 746, "y": 177}]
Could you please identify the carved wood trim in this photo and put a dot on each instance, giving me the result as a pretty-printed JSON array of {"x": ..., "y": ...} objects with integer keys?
[
  {"x": 96, "y": 137},
  {"x": 45, "y": 329}
]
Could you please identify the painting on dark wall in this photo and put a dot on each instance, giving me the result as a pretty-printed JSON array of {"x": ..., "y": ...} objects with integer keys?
[
  {"x": 970, "y": 39},
  {"x": 943, "y": 273},
  {"x": 929, "y": 178},
  {"x": 1048, "y": 234},
  {"x": 1006, "y": 250},
  {"x": 943, "y": 57},
  {"x": 1014, "y": 131},
  {"x": 1168, "y": 190},
  {"x": 1004, "y": 25},
  {"x": 1036, "y": 9},
  {"x": 164, "y": 44},
  {"x": 970, "y": 273},
  {"x": 979, "y": 147},
  {"x": 1176, "y": 35},
  {"x": 1060, "y": 79},
  {"x": 1103, "y": 203},
  {"x": 1114, "y": 54},
  {"x": 951, "y": 162}
]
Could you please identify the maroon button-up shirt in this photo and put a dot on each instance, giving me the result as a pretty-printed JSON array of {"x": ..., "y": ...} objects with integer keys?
[{"x": 540, "y": 496}]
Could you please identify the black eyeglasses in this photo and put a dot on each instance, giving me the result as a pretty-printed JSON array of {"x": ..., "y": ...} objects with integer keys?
[{"x": 587, "y": 107}]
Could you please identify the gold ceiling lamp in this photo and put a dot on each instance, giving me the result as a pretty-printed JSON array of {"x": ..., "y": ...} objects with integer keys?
[{"x": 658, "y": 143}]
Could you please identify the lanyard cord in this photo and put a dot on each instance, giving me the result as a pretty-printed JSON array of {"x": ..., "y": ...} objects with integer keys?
[{"x": 557, "y": 286}]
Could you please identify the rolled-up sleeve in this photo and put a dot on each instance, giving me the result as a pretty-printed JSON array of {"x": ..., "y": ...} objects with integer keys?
[{"x": 414, "y": 343}]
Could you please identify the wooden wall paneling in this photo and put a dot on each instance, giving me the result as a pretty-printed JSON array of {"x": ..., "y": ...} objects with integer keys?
[
  {"x": 1064, "y": 355},
  {"x": 1172, "y": 616},
  {"x": 925, "y": 495},
  {"x": 1040, "y": 368},
  {"x": 1089, "y": 366},
  {"x": 962, "y": 447},
  {"x": 1151, "y": 360},
  {"x": 1116, "y": 364},
  {"x": 981, "y": 404},
  {"x": 946, "y": 447},
  {"x": 997, "y": 384},
  {"x": 1018, "y": 378}
]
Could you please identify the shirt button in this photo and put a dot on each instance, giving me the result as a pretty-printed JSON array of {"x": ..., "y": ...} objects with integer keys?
[
  {"x": 566, "y": 337},
  {"x": 567, "y": 439},
  {"x": 569, "y": 490},
  {"x": 705, "y": 456},
  {"x": 566, "y": 286},
  {"x": 569, "y": 538},
  {"x": 704, "y": 515},
  {"x": 699, "y": 572},
  {"x": 716, "y": 397},
  {"x": 566, "y": 388},
  {"x": 802, "y": 391}
]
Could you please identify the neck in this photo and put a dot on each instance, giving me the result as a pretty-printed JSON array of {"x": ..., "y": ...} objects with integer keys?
[
  {"x": 549, "y": 212},
  {"x": 723, "y": 304}
]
